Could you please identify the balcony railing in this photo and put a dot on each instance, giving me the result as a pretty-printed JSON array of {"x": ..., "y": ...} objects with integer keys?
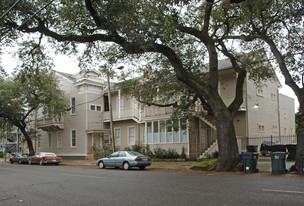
[
  {"x": 123, "y": 114},
  {"x": 51, "y": 124}
]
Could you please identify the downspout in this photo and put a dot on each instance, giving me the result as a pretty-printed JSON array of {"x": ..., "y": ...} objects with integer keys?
[
  {"x": 247, "y": 109},
  {"x": 279, "y": 115},
  {"x": 86, "y": 120}
]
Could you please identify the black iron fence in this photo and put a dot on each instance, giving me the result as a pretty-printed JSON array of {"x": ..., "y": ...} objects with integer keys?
[{"x": 268, "y": 144}]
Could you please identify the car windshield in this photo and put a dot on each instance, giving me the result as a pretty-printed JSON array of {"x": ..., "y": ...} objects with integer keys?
[
  {"x": 25, "y": 155},
  {"x": 135, "y": 153}
]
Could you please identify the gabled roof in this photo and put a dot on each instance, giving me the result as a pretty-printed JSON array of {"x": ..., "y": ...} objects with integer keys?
[{"x": 66, "y": 75}]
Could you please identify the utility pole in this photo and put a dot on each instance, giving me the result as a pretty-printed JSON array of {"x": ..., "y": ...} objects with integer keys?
[
  {"x": 111, "y": 112},
  {"x": 107, "y": 71}
]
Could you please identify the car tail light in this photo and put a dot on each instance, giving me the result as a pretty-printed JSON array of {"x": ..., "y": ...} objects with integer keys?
[
  {"x": 149, "y": 159},
  {"x": 137, "y": 159}
]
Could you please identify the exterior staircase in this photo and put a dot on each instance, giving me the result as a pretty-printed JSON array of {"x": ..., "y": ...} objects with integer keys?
[{"x": 210, "y": 150}]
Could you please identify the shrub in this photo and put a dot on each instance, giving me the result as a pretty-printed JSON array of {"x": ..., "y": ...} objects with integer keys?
[
  {"x": 148, "y": 152},
  {"x": 138, "y": 148},
  {"x": 183, "y": 154},
  {"x": 159, "y": 153},
  {"x": 172, "y": 154},
  {"x": 102, "y": 152},
  {"x": 127, "y": 149},
  {"x": 1, "y": 154}
]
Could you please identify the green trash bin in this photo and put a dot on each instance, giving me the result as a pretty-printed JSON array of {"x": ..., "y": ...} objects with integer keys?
[
  {"x": 278, "y": 162},
  {"x": 302, "y": 158},
  {"x": 250, "y": 162}
]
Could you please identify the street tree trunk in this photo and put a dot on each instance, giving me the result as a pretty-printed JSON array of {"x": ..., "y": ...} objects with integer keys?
[
  {"x": 226, "y": 137},
  {"x": 300, "y": 135},
  {"x": 28, "y": 140}
]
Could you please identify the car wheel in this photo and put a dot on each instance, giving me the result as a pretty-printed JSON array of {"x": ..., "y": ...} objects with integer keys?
[
  {"x": 11, "y": 162},
  {"x": 142, "y": 167},
  {"x": 30, "y": 162},
  {"x": 126, "y": 165},
  {"x": 41, "y": 162},
  {"x": 101, "y": 165},
  {"x": 19, "y": 162}
]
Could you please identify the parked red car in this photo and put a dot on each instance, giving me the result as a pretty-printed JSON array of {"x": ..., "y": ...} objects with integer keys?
[{"x": 43, "y": 158}]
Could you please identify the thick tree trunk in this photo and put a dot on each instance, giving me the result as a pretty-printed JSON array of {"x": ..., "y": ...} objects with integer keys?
[
  {"x": 28, "y": 140},
  {"x": 228, "y": 149},
  {"x": 227, "y": 144},
  {"x": 300, "y": 136}
]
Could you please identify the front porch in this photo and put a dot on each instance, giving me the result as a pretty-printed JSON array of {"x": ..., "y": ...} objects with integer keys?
[{"x": 97, "y": 139}]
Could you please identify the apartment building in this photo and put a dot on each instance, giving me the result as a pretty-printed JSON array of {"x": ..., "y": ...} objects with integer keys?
[{"x": 87, "y": 122}]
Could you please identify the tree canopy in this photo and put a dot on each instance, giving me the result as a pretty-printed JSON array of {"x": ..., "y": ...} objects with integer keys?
[
  {"x": 180, "y": 36},
  {"x": 31, "y": 89}
]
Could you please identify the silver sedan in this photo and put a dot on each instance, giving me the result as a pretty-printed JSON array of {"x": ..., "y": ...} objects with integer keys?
[{"x": 125, "y": 160}]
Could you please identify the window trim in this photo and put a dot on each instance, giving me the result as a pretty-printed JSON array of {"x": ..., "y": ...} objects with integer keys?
[
  {"x": 71, "y": 138},
  {"x": 50, "y": 143},
  {"x": 116, "y": 143},
  {"x": 59, "y": 146},
  {"x": 73, "y": 106},
  {"x": 261, "y": 128},
  {"x": 260, "y": 91},
  {"x": 134, "y": 135}
]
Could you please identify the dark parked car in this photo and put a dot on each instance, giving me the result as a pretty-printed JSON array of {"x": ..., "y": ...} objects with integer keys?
[
  {"x": 21, "y": 158},
  {"x": 125, "y": 160},
  {"x": 267, "y": 147}
]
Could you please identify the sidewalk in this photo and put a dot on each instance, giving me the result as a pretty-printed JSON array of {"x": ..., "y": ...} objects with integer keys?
[{"x": 263, "y": 165}]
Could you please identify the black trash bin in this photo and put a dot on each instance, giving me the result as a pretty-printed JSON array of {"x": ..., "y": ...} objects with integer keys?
[
  {"x": 250, "y": 162},
  {"x": 252, "y": 148},
  {"x": 302, "y": 158},
  {"x": 279, "y": 148},
  {"x": 292, "y": 151},
  {"x": 278, "y": 162}
]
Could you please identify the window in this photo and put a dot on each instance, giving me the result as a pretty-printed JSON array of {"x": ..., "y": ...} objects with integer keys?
[
  {"x": 165, "y": 131},
  {"x": 106, "y": 103},
  {"x": 155, "y": 132},
  {"x": 73, "y": 138},
  {"x": 144, "y": 135},
  {"x": 59, "y": 140},
  {"x": 73, "y": 105},
  {"x": 175, "y": 132},
  {"x": 50, "y": 140},
  {"x": 183, "y": 132},
  {"x": 132, "y": 135},
  {"x": 260, "y": 91},
  {"x": 95, "y": 107},
  {"x": 92, "y": 107},
  {"x": 149, "y": 132},
  {"x": 117, "y": 136},
  {"x": 162, "y": 131},
  {"x": 261, "y": 128},
  {"x": 122, "y": 154},
  {"x": 273, "y": 96},
  {"x": 168, "y": 131}
]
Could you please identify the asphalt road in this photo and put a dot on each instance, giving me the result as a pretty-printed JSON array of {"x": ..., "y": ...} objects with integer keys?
[{"x": 62, "y": 185}]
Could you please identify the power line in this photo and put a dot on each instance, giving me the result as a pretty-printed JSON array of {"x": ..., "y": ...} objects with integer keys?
[
  {"x": 29, "y": 18},
  {"x": 10, "y": 9}
]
